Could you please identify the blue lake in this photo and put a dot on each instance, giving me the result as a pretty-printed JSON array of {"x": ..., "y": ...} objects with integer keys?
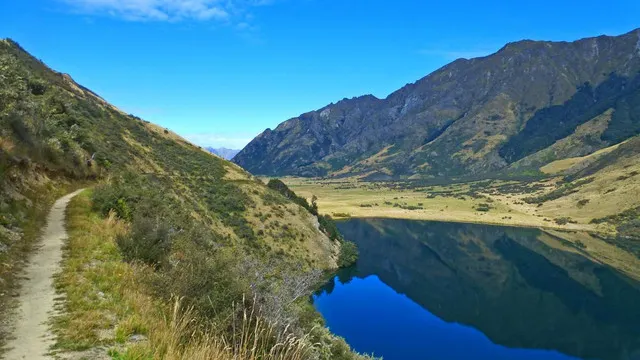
[{"x": 428, "y": 290}]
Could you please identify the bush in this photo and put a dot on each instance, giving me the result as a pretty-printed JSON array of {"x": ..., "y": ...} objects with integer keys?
[
  {"x": 483, "y": 207},
  {"x": 348, "y": 254},
  {"x": 37, "y": 86},
  {"x": 583, "y": 202},
  {"x": 149, "y": 241},
  {"x": 564, "y": 221}
]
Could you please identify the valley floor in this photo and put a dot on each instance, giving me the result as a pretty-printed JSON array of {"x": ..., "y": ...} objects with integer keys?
[
  {"x": 566, "y": 224},
  {"x": 449, "y": 203}
]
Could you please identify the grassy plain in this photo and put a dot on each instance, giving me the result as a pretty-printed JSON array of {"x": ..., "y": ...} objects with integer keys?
[
  {"x": 566, "y": 220},
  {"x": 452, "y": 203}
]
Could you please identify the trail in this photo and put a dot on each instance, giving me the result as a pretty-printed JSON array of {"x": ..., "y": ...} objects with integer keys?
[{"x": 31, "y": 338}]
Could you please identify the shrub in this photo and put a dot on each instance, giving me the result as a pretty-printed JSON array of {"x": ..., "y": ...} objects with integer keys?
[
  {"x": 583, "y": 202},
  {"x": 37, "y": 86},
  {"x": 483, "y": 207},
  {"x": 341, "y": 215},
  {"x": 348, "y": 254},
  {"x": 148, "y": 241},
  {"x": 564, "y": 221}
]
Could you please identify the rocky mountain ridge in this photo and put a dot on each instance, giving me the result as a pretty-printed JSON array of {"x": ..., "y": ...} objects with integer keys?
[{"x": 470, "y": 117}]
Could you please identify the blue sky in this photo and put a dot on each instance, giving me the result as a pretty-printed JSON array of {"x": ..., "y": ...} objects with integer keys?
[{"x": 219, "y": 72}]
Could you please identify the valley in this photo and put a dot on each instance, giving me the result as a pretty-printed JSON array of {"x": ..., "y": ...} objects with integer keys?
[{"x": 498, "y": 187}]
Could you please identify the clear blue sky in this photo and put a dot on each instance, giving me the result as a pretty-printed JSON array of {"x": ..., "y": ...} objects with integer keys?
[{"x": 221, "y": 71}]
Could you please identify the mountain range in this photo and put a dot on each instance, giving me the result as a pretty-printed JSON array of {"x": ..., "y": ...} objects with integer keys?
[
  {"x": 223, "y": 152},
  {"x": 529, "y": 104}
]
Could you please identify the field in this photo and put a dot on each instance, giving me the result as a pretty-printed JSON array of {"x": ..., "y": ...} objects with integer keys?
[
  {"x": 497, "y": 202},
  {"x": 556, "y": 206}
]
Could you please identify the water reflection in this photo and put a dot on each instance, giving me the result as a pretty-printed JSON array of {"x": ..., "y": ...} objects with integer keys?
[{"x": 520, "y": 288}]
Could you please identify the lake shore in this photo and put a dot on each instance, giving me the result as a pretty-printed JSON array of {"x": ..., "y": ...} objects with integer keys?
[
  {"x": 365, "y": 201},
  {"x": 369, "y": 201}
]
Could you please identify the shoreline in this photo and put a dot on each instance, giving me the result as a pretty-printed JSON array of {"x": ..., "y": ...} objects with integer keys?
[{"x": 578, "y": 227}]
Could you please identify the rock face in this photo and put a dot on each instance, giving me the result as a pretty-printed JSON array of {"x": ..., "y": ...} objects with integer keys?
[{"x": 469, "y": 117}]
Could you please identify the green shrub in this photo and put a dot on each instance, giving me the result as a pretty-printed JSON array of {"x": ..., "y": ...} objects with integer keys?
[
  {"x": 37, "y": 86},
  {"x": 483, "y": 207},
  {"x": 348, "y": 254},
  {"x": 564, "y": 221},
  {"x": 148, "y": 241},
  {"x": 583, "y": 202}
]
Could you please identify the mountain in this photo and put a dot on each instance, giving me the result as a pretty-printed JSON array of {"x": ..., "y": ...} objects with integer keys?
[
  {"x": 514, "y": 110},
  {"x": 224, "y": 153}
]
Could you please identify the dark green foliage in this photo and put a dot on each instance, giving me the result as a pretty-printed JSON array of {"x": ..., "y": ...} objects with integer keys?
[
  {"x": 483, "y": 207},
  {"x": 282, "y": 188},
  {"x": 37, "y": 86},
  {"x": 328, "y": 226},
  {"x": 348, "y": 254},
  {"x": 342, "y": 215},
  {"x": 627, "y": 224},
  {"x": 564, "y": 190},
  {"x": 564, "y": 221},
  {"x": 149, "y": 241},
  {"x": 583, "y": 202}
]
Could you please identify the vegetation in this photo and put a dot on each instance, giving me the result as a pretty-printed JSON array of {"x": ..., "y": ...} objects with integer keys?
[
  {"x": 117, "y": 304},
  {"x": 434, "y": 137},
  {"x": 348, "y": 252},
  {"x": 564, "y": 190},
  {"x": 183, "y": 223}
]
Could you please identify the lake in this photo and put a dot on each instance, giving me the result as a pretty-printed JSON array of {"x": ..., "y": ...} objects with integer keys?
[{"x": 430, "y": 290}]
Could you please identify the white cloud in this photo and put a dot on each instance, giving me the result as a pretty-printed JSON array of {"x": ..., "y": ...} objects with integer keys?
[
  {"x": 231, "y": 141},
  {"x": 168, "y": 10}
]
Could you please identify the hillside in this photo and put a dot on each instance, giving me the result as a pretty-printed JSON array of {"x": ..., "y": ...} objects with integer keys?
[
  {"x": 529, "y": 104},
  {"x": 193, "y": 218}
]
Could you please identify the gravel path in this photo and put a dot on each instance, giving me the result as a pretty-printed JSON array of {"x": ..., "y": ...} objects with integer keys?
[{"x": 31, "y": 338}]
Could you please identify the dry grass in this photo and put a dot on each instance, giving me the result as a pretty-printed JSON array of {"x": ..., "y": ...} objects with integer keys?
[
  {"x": 560, "y": 166},
  {"x": 613, "y": 191},
  {"x": 508, "y": 210},
  {"x": 104, "y": 303}
]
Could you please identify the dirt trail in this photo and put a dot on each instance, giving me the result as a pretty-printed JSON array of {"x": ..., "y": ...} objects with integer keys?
[{"x": 31, "y": 338}]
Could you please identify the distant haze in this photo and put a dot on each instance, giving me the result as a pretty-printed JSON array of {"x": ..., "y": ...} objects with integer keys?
[{"x": 224, "y": 153}]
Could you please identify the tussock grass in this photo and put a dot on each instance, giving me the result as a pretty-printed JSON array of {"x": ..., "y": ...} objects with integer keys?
[{"x": 105, "y": 302}]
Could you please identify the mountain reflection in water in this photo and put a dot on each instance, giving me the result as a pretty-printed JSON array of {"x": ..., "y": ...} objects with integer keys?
[{"x": 429, "y": 290}]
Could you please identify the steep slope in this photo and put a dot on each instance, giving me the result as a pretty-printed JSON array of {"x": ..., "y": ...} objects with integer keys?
[
  {"x": 54, "y": 130},
  {"x": 56, "y": 135},
  {"x": 469, "y": 117}
]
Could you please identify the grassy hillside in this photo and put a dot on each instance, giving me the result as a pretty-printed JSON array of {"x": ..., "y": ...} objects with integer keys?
[{"x": 211, "y": 233}]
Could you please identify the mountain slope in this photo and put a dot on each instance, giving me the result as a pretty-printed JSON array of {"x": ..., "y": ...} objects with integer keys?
[
  {"x": 469, "y": 117},
  {"x": 195, "y": 219},
  {"x": 224, "y": 153}
]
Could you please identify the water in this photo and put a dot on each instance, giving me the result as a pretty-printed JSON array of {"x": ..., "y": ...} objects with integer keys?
[{"x": 428, "y": 290}]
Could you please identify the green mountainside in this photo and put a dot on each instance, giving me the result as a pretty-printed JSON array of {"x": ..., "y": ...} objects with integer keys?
[
  {"x": 504, "y": 112},
  {"x": 213, "y": 234}
]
